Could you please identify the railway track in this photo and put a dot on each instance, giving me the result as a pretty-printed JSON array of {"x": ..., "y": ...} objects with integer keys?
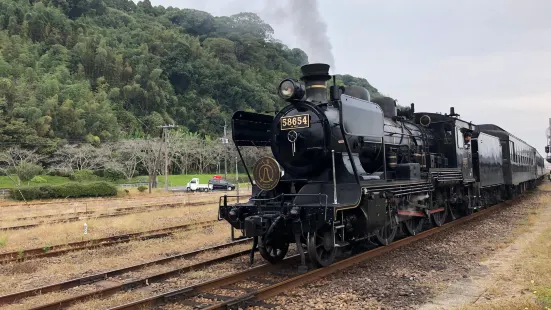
[
  {"x": 78, "y": 216},
  {"x": 118, "y": 209},
  {"x": 10, "y": 298},
  {"x": 253, "y": 286},
  {"x": 60, "y": 249},
  {"x": 91, "y": 214},
  {"x": 102, "y": 200}
]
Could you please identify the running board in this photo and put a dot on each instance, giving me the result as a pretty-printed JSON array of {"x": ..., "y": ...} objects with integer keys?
[{"x": 419, "y": 213}]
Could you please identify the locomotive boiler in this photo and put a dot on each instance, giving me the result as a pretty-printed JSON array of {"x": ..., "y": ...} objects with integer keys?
[{"x": 347, "y": 169}]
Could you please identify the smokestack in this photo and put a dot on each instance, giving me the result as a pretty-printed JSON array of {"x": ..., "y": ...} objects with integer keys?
[{"x": 314, "y": 77}]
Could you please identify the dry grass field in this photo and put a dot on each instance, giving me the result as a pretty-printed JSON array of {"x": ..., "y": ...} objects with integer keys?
[
  {"x": 10, "y": 210},
  {"x": 17, "y": 276},
  {"x": 26, "y": 275},
  {"x": 203, "y": 209}
]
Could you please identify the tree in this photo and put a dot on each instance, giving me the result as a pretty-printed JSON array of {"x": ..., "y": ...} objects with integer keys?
[
  {"x": 81, "y": 157},
  {"x": 150, "y": 156},
  {"x": 127, "y": 157},
  {"x": 101, "y": 71},
  {"x": 22, "y": 162}
]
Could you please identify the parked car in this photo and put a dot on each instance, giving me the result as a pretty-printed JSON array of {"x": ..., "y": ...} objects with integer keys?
[
  {"x": 221, "y": 184},
  {"x": 194, "y": 185}
]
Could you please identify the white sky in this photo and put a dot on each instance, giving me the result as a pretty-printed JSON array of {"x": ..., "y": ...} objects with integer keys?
[{"x": 490, "y": 59}]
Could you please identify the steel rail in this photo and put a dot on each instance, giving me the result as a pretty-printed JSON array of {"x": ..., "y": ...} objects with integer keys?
[
  {"x": 118, "y": 212},
  {"x": 272, "y": 290},
  {"x": 278, "y": 288},
  {"x": 60, "y": 304},
  {"x": 61, "y": 249},
  {"x": 74, "y": 217},
  {"x": 65, "y": 285},
  {"x": 47, "y": 216},
  {"x": 191, "y": 290}
]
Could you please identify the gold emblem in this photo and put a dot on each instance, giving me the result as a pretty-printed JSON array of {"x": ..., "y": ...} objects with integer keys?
[{"x": 266, "y": 173}]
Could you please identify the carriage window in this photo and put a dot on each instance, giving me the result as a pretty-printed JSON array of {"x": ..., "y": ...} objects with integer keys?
[{"x": 522, "y": 159}]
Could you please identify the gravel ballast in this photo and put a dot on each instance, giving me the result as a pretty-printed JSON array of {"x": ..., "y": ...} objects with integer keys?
[{"x": 410, "y": 276}]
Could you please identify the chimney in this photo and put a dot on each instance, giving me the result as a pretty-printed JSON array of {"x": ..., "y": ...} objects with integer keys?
[{"x": 314, "y": 77}]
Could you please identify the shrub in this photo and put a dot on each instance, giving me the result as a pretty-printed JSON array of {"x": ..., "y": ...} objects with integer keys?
[
  {"x": 113, "y": 175},
  {"x": 142, "y": 188},
  {"x": 39, "y": 179},
  {"x": 27, "y": 171},
  {"x": 69, "y": 190},
  {"x": 83, "y": 175},
  {"x": 60, "y": 172}
]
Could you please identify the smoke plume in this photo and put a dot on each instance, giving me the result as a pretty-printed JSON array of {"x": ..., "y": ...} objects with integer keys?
[{"x": 307, "y": 24}]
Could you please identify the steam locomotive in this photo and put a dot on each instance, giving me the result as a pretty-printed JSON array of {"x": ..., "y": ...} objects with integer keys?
[{"x": 348, "y": 169}]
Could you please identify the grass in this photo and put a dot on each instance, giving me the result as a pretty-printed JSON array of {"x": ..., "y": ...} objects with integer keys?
[
  {"x": 537, "y": 264},
  {"x": 173, "y": 180},
  {"x": 530, "y": 272},
  {"x": 183, "y": 179},
  {"x": 5, "y": 181},
  {"x": 60, "y": 233},
  {"x": 15, "y": 276},
  {"x": 64, "y": 208}
]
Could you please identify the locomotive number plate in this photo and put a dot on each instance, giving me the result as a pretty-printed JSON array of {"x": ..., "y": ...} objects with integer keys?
[{"x": 295, "y": 121}]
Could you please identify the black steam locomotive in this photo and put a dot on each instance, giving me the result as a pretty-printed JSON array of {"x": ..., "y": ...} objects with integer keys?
[{"x": 348, "y": 169}]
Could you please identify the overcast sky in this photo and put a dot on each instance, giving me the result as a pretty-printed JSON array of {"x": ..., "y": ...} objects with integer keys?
[{"x": 489, "y": 59}]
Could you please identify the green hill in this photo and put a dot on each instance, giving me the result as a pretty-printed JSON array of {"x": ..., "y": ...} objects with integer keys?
[{"x": 96, "y": 71}]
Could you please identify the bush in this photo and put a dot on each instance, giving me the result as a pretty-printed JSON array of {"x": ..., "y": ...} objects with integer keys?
[
  {"x": 142, "y": 188},
  {"x": 83, "y": 175},
  {"x": 60, "y": 172},
  {"x": 69, "y": 190},
  {"x": 39, "y": 179},
  {"x": 113, "y": 175},
  {"x": 27, "y": 171}
]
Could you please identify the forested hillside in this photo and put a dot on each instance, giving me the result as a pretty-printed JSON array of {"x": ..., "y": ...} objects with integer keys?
[{"x": 103, "y": 70}]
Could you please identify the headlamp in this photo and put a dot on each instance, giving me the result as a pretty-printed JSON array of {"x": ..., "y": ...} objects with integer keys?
[{"x": 289, "y": 89}]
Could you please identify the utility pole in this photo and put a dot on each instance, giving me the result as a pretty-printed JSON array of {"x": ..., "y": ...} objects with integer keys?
[
  {"x": 225, "y": 142},
  {"x": 165, "y": 141},
  {"x": 548, "y": 146}
]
